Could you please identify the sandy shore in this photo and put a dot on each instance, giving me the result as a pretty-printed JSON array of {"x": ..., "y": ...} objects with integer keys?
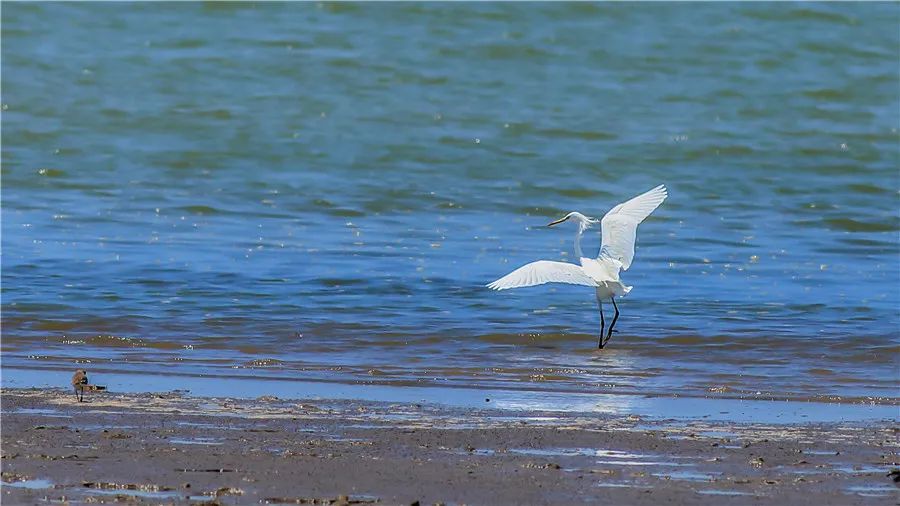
[{"x": 171, "y": 448}]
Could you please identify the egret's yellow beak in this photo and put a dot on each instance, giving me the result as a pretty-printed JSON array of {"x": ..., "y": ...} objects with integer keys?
[{"x": 557, "y": 222}]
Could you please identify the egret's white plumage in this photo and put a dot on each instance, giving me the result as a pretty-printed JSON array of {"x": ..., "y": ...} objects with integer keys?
[
  {"x": 619, "y": 226},
  {"x": 618, "y": 229},
  {"x": 544, "y": 271}
]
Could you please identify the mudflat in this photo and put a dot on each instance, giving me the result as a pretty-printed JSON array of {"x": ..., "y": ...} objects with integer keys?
[{"x": 173, "y": 448}]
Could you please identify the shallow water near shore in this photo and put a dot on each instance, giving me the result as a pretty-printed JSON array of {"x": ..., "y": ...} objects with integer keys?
[
  {"x": 674, "y": 408},
  {"x": 316, "y": 202}
]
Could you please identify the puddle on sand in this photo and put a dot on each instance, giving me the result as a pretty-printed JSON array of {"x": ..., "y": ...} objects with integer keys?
[
  {"x": 211, "y": 441},
  {"x": 804, "y": 472},
  {"x": 611, "y": 457},
  {"x": 147, "y": 494},
  {"x": 554, "y": 452},
  {"x": 723, "y": 492},
  {"x": 30, "y": 484},
  {"x": 83, "y": 447},
  {"x": 872, "y": 490},
  {"x": 641, "y": 463},
  {"x": 50, "y": 413},
  {"x": 97, "y": 426},
  {"x": 819, "y": 452},
  {"x": 527, "y": 419},
  {"x": 141, "y": 491},
  {"x": 687, "y": 476},
  {"x": 206, "y": 426},
  {"x": 866, "y": 469},
  {"x": 574, "y": 452},
  {"x": 621, "y": 484}
]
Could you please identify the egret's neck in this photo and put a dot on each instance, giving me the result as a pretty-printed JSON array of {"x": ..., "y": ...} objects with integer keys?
[{"x": 578, "y": 253}]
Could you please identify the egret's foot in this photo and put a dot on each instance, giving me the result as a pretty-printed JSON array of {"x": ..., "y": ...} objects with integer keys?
[{"x": 608, "y": 337}]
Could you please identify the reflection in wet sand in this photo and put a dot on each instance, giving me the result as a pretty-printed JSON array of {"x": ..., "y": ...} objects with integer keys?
[{"x": 516, "y": 400}]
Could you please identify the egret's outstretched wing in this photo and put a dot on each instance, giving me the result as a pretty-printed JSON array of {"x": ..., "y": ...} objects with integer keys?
[
  {"x": 620, "y": 225},
  {"x": 543, "y": 271}
]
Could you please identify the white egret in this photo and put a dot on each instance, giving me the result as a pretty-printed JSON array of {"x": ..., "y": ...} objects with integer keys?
[{"x": 618, "y": 228}]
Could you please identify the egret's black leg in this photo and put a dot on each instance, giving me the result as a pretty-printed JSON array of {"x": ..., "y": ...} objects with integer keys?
[
  {"x": 602, "y": 324},
  {"x": 615, "y": 317}
]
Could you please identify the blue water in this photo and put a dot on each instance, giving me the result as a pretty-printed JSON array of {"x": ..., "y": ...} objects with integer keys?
[{"x": 320, "y": 191}]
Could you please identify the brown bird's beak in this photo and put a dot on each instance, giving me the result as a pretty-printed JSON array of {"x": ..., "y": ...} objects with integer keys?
[{"x": 557, "y": 222}]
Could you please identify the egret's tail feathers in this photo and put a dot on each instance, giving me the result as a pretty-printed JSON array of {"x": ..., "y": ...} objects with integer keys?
[{"x": 627, "y": 289}]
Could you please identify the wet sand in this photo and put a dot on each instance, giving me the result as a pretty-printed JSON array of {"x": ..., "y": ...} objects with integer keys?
[{"x": 173, "y": 448}]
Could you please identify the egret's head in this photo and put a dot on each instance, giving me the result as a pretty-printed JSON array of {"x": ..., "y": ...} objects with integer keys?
[{"x": 582, "y": 220}]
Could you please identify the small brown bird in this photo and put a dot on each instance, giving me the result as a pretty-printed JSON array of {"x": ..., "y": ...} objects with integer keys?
[{"x": 79, "y": 380}]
